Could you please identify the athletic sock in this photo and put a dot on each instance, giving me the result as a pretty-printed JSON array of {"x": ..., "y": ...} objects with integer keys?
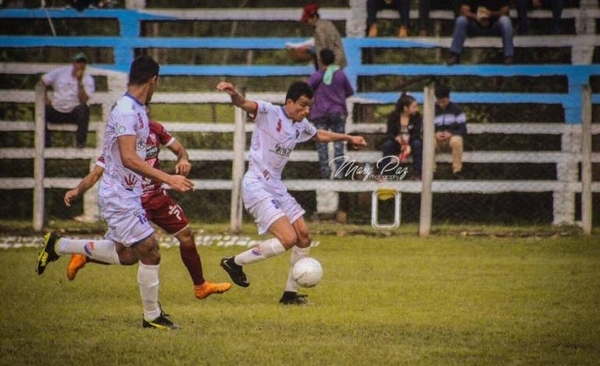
[
  {"x": 147, "y": 277},
  {"x": 295, "y": 256},
  {"x": 100, "y": 250},
  {"x": 191, "y": 260},
  {"x": 262, "y": 251}
]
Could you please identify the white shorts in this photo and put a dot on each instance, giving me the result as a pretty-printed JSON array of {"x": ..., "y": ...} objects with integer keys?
[
  {"x": 266, "y": 206},
  {"x": 126, "y": 219}
]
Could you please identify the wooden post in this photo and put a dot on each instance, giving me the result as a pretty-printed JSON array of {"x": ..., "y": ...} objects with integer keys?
[
  {"x": 428, "y": 161},
  {"x": 586, "y": 160},
  {"x": 237, "y": 173},
  {"x": 38, "y": 161}
]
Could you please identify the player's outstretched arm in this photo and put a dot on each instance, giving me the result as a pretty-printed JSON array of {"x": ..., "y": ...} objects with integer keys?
[
  {"x": 328, "y": 136},
  {"x": 86, "y": 183},
  {"x": 237, "y": 98},
  {"x": 183, "y": 166}
]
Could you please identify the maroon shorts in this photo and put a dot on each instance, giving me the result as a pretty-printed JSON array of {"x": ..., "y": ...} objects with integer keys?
[{"x": 163, "y": 211}]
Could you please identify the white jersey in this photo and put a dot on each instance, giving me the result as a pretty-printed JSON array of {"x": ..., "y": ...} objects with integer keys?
[
  {"x": 127, "y": 117},
  {"x": 274, "y": 137},
  {"x": 66, "y": 88}
]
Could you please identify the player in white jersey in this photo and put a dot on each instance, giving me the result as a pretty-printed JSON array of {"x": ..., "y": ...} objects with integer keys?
[
  {"x": 120, "y": 194},
  {"x": 277, "y": 130}
]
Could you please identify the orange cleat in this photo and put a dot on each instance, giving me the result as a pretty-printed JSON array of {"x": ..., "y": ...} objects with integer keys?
[
  {"x": 208, "y": 288},
  {"x": 76, "y": 263}
]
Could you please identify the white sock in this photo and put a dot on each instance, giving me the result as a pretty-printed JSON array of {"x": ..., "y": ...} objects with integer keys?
[
  {"x": 147, "y": 278},
  {"x": 262, "y": 251},
  {"x": 100, "y": 250},
  {"x": 295, "y": 256}
]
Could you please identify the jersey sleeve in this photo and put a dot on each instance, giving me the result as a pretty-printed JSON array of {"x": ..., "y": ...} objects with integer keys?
[
  {"x": 164, "y": 137},
  {"x": 307, "y": 131},
  {"x": 100, "y": 161},
  {"x": 262, "y": 110}
]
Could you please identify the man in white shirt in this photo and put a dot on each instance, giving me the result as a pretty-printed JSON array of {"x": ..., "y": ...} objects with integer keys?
[
  {"x": 277, "y": 130},
  {"x": 72, "y": 90}
]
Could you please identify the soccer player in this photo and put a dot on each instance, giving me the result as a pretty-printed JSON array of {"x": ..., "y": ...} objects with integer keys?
[
  {"x": 120, "y": 191},
  {"x": 160, "y": 208},
  {"x": 277, "y": 130}
]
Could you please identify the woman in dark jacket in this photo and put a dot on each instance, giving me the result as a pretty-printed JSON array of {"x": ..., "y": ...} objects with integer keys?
[{"x": 404, "y": 137}]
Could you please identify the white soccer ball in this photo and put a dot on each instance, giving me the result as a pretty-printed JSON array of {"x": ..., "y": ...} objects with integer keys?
[{"x": 307, "y": 272}]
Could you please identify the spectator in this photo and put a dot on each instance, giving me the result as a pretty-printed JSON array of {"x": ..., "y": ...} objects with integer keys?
[
  {"x": 404, "y": 137},
  {"x": 331, "y": 88},
  {"x": 450, "y": 127},
  {"x": 402, "y": 6},
  {"x": 482, "y": 18},
  {"x": 326, "y": 36},
  {"x": 524, "y": 5},
  {"x": 425, "y": 7},
  {"x": 72, "y": 90}
]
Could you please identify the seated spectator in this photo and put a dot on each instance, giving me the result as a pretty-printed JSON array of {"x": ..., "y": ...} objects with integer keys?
[
  {"x": 331, "y": 88},
  {"x": 450, "y": 127},
  {"x": 482, "y": 18},
  {"x": 404, "y": 137},
  {"x": 425, "y": 8},
  {"x": 373, "y": 6},
  {"x": 72, "y": 90},
  {"x": 525, "y": 5}
]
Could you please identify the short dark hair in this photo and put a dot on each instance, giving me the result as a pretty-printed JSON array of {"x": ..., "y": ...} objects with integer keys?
[
  {"x": 327, "y": 56},
  {"x": 299, "y": 89},
  {"x": 442, "y": 91},
  {"x": 143, "y": 68}
]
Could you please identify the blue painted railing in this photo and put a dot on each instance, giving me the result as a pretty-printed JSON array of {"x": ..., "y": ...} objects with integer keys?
[{"x": 129, "y": 39}]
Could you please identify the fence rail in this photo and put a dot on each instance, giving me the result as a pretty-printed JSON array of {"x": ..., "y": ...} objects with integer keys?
[{"x": 578, "y": 75}]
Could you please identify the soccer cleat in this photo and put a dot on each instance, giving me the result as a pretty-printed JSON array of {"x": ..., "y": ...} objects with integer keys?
[
  {"x": 76, "y": 263},
  {"x": 48, "y": 253},
  {"x": 292, "y": 298},
  {"x": 162, "y": 322},
  {"x": 208, "y": 288},
  {"x": 235, "y": 272}
]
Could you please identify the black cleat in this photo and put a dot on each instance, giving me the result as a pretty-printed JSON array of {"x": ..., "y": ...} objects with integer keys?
[
  {"x": 292, "y": 298},
  {"x": 162, "y": 322},
  {"x": 235, "y": 271},
  {"x": 48, "y": 253}
]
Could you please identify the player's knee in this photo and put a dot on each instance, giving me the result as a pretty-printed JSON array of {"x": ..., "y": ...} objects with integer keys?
[
  {"x": 186, "y": 239},
  {"x": 288, "y": 240}
]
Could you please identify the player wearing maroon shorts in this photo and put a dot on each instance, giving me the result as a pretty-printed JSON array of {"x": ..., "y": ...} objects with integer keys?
[{"x": 160, "y": 208}]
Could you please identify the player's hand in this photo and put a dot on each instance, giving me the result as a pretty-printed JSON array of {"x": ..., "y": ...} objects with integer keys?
[
  {"x": 180, "y": 183},
  {"x": 357, "y": 141},
  {"x": 227, "y": 88},
  {"x": 70, "y": 196},
  {"x": 183, "y": 167}
]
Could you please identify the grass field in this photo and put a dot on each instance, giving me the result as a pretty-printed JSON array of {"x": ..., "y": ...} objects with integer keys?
[{"x": 399, "y": 300}]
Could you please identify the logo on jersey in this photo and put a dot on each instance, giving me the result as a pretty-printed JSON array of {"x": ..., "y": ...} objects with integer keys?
[
  {"x": 120, "y": 129},
  {"x": 140, "y": 121},
  {"x": 151, "y": 146},
  {"x": 130, "y": 181},
  {"x": 141, "y": 145},
  {"x": 282, "y": 151},
  {"x": 278, "y": 126},
  {"x": 297, "y": 134}
]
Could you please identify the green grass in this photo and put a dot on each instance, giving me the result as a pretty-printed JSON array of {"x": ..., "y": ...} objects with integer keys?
[{"x": 398, "y": 300}]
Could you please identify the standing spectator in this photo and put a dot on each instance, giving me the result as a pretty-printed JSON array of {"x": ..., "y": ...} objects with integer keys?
[
  {"x": 404, "y": 137},
  {"x": 329, "y": 112},
  {"x": 160, "y": 208},
  {"x": 524, "y": 5},
  {"x": 326, "y": 36},
  {"x": 482, "y": 18},
  {"x": 403, "y": 8},
  {"x": 72, "y": 90},
  {"x": 120, "y": 192},
  {"x": 450, "y": 127},
  {"x": 277, "y": 130}
]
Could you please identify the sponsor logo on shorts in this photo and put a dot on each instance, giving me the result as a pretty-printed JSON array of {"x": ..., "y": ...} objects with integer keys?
[{"x": 275, "y": 203}]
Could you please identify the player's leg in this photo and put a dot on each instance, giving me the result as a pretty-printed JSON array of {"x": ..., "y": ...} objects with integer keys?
[
  {"x": 127, "y": 257},
  {"x": 300, "y": 250},
  {"x": 162, "y": 210}
]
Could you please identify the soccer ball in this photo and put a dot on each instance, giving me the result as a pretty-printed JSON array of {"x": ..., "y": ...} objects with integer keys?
[{"x": 307, "y": 272}]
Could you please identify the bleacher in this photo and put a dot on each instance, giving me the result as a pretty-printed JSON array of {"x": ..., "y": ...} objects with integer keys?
[{"x": 578, "y": 74}]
